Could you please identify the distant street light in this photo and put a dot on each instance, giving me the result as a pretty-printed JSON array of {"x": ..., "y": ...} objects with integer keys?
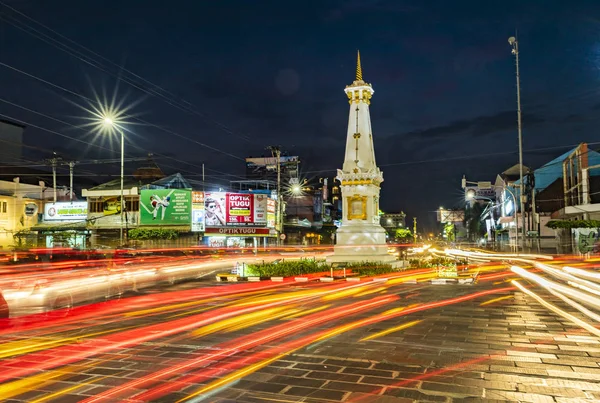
[
  {"x": 111, "y": 125},
  {"x": 515, "y": 51},
  {"x": 296, "y": 189}
]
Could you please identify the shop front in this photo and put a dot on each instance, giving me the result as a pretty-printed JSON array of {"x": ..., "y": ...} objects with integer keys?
[
  {"x": 238, "y": 237},
  {"x": 64, "y": 224}
]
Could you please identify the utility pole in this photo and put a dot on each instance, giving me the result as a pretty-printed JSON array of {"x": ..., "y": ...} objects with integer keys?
[
  {"x": 415, "y": 230},
  {"x": 276, "y": 152},
  {"x": 54, "y": 162},
  {"x": 515, "y": 51},
  {"x": 71, "y": 166}
]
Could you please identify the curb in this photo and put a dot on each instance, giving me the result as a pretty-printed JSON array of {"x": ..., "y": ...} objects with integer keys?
[{"x": 234, "y": 278}]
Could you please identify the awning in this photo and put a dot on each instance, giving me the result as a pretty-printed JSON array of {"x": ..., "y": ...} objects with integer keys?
[
  {"x": 60, "y": 226},
  {"x": 178, "y": 228}
]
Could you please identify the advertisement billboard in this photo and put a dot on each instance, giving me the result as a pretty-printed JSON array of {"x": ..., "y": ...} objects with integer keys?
[
  {"x": 165, "y": 207},
  {"x": 198, "y": 212},
  {"x": 230, "y": 209},
  {"x": 260, "y": 209},
  {"x": 66, "y": 211}
]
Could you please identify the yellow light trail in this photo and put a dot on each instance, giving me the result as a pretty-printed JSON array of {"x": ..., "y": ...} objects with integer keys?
[
  {"x": 20, "y": 386},
  {"x": 343, "y": 294},
  {"x": 278, "y": 297},
  {"x": 248, "y": 319},
  {"x": 378, "y": 289},
  {"x": 491, "y": 301},
  {"x": 391, "y": 330},
  {"x": 416, "y": 277},
  {"x": 54, "y": 395},
  {"x": 308, "y": 312},
  {"x": 236, "y": 375},
  {"x": 244, "y": 325},
  {"x": 30, "y": 345},
  {"x": 166, "y": 308}
]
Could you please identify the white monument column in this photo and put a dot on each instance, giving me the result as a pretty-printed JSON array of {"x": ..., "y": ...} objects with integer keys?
[{"x": 361, "y": 237}]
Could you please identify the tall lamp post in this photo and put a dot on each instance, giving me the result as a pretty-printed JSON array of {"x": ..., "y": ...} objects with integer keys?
[
  {"x": 515, "y": 51},
  {"x": 112, "y": 125}
]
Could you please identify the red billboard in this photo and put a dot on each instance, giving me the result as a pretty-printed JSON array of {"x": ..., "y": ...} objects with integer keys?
[
  {"x": 225, "y": 209},
  {"x": 240, "y": 208}
]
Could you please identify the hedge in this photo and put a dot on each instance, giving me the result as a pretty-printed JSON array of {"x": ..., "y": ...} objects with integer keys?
[
  {"x": 370, "y": 268},
  {"x": 287, "y": 268},
  {"x": 300, "y": 267},
  {"x": 556, "y": 224},
  {"x": 159, "y": 233}
]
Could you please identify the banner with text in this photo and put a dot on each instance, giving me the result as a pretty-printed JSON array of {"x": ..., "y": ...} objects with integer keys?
[
  {"x": 198, "y": 212},
  {"x": 165, "y": 207}
]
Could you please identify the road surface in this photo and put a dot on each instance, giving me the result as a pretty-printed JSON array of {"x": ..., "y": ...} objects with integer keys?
[{"x": 376, "y": 341}]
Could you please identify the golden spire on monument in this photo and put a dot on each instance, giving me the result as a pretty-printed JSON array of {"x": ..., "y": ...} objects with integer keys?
[{"x": 358, "y": 67}]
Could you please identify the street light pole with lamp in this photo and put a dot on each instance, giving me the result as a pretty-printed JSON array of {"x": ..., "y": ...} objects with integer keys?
[
  {"x": 515, "y": 51},
  {"x": 488, "y": 185},
  {"x": 112, "y": 125}
]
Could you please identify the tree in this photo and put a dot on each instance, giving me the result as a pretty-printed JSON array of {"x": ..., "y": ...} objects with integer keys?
[
  {"x": 473, "y": 221},
  {"x": 450, "y": 232},
  {"x": 403, "y": 235}
]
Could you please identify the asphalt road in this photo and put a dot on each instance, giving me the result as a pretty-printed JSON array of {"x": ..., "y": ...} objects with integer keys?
[{"x": 310, "y": 342}]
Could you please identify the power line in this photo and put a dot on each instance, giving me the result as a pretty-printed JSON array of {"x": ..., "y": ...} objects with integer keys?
[
  {"x": 466, "y": 157},
  {"x": 95, "y": 145},
  {"x": 169, "y": 98},
  {"x": 138, "y": 119}
]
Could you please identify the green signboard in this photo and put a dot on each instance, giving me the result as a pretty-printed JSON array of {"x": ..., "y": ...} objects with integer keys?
[{"x": 166, "y": 207}]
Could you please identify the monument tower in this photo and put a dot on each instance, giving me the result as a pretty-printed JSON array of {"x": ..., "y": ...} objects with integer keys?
[{"x": 361, "y": 237}]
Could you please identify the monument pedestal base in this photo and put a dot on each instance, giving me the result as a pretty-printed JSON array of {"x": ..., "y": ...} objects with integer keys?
[{"x": 361, "y": 243}]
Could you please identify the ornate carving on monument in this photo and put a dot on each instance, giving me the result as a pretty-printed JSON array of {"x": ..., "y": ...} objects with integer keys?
[{"x": 357, "y": 207}]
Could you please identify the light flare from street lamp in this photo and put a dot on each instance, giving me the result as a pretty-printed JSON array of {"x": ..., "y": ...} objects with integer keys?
[{"x": 107, "y": 115}]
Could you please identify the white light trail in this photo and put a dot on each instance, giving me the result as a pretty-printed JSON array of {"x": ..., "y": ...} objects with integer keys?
[{"x": 557, "y": 310}]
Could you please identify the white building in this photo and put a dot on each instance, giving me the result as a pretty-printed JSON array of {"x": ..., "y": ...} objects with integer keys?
[{"x": 21, "y": 207}]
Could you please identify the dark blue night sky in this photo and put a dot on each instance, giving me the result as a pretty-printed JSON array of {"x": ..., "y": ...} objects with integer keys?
[{"x": 255, "y": 73}]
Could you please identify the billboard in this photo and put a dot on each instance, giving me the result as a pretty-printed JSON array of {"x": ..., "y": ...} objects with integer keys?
[
  {"x": 198, "y": 212},
  {"x": 271, "y": 215},
  {"x": 165, "y": 207},
  {"x": 66, "y": 211},
  {"x": 223, "y": 209}
]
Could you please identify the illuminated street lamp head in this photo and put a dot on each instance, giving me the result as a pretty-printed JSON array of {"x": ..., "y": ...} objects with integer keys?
[
  {"x": 108, "y": 121},
  {"x": 296, "y": 189},
  {"x": 470, "y": 194}
]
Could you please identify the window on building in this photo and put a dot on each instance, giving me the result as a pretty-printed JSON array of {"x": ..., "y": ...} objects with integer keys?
[
  {"x": 335, "y": 190},
  {"x": 132, "y": 204},
  {"x": 96, "y": 206},
  {"x": 3, "y": 207}
]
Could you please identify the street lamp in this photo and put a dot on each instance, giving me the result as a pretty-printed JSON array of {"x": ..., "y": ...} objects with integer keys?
[
  {"x": 111, "y": 125},
  {"x": 512, "y": 41},
  {"x": 296, "y": 189}
]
